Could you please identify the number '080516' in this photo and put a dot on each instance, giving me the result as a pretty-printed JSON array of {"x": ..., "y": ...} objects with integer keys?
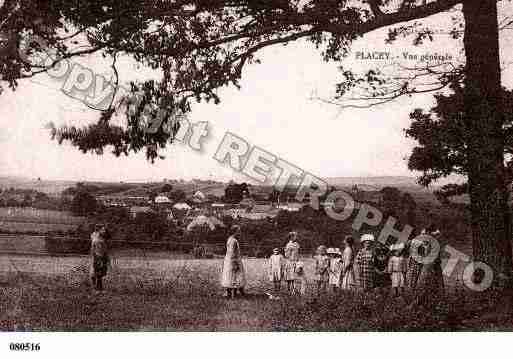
[{"x": 24, "y": 347}]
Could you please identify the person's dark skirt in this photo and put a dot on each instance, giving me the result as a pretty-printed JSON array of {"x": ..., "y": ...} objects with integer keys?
[{"x": 100, "y": 267}]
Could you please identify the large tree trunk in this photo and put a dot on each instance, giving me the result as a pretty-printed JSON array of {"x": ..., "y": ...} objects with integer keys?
[{"x": 488, "y": 192}]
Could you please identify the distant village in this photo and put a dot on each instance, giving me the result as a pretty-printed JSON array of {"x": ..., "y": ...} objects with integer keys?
[
  {"x": 210, "y": 209},
  {"x": 183, "y": 204}
]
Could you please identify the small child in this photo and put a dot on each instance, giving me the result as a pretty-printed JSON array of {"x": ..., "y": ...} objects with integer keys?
[
  {"x": 322, "y": 263},
  {"x": 276, "y": 263},
  {"x": 335, "y": 269},
  {"x": 300, "y": 281},
  {"x": 397, "y": 268}
]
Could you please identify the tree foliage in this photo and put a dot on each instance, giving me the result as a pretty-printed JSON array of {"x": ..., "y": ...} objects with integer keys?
[
  {"x": 440, "y": 134},
  {"x": 235, "y": 192},
  {"x": 83, "y": 203},
  {"x": 198, "y": 46}
]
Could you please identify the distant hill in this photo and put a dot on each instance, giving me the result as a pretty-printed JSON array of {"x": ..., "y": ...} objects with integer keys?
[
  {"x": 403, "y": 183},
  {"x": 50, "y": 187},
  {"x": 375, "y": 183}
]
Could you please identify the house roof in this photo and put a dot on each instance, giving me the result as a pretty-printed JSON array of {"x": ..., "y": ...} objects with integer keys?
[
  {"x": 162, "y": 199},
  {"x": 247, "y": 202},
  {"x": 182, "y": 205},
  {"x": 139, "y": 209},
  {"x": 199, "y": 194},
  {"x": 262, "y": 208},
  {"x": 211, "y": 222}
]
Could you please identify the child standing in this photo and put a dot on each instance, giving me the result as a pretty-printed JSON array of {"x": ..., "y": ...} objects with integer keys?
[
  {"x": 276, "y": 264},
  {"x": 300, "y": 281},
  {"x": 348, "y": 278},
  {"x": 397, "y": 268},
  {"x": 322, "y": 263},
  {"x": 364, "y": 262},
  {"x": 335, "y": 269}
]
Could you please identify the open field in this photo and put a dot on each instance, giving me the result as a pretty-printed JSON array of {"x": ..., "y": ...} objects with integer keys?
[
  {"x": 32, "y": 220},
  {"x": 184, "y": 295},
  {"x": 30, "y": 227},
  {"x": 150, "y": 292},
  {"x": 34, "y": 215}
]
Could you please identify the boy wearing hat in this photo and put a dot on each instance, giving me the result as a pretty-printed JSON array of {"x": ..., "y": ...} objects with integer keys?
[
  {"x": 365, "y": 263},
  {"x": 276, "y": 265}
]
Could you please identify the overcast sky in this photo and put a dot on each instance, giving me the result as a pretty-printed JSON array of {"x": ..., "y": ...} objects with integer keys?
[{"x": 273, "y": 110}]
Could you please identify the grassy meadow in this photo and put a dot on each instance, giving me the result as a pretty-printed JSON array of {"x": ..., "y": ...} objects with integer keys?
[{"x": 53, "y": 294}]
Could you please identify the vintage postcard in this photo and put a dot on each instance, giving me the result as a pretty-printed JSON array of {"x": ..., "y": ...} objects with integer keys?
[{"x": 255, "y": 166}]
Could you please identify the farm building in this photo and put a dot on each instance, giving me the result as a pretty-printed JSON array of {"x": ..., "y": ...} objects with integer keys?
[
  {"x": 198, "y": 195},
  {"x": 161, "y": 199},
  {"x": 211, "y": 222},
  {"x": 135, "y": 210},
  {"x": 260, "y": 211},
  {"x": 235, "y": 212},
  {"x": 247, "y": 202},
  {"x": 291, "y": 207},
  {"x": 182, "y": 206}
]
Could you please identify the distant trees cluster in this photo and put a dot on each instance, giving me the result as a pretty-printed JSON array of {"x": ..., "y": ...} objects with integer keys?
[
  {"x": 15, "y": 197},
  {"x": 235, "y": 192}
]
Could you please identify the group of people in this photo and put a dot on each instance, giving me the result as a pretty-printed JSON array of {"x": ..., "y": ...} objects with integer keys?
[{"x": 373, "y": 267}]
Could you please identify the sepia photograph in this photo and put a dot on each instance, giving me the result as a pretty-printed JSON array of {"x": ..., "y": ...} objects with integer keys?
[{"x": 298, "y": 166}]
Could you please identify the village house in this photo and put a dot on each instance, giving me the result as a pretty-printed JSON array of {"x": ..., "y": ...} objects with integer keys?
[
  {"x": 291, "y": 207},
  {"x": 135, "y": 210}
]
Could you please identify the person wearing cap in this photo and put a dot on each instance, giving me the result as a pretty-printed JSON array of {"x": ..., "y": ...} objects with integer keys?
[
  {"x": 100, "y": 259},
  {"x": 397, "y": 267},
  {"x": 348, "y": 278},
  {"x": 322, "y": 263},
  {"x": 335, "y": 269},
  {"x": 276, "y": 264},
  {"x": 291, "y": 259},
  {"x": 233, "y": 277},
  {"x": 365, "y": 263}
]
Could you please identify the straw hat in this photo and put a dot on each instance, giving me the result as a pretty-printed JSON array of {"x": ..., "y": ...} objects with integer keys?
[
  {"x": 331, "y": 251},
  {"x": 367, "y": 238},
  {"x": 276, "y": 251}
]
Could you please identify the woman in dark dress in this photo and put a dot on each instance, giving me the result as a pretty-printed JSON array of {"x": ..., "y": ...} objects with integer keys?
[{"x": 382, "y": 278}]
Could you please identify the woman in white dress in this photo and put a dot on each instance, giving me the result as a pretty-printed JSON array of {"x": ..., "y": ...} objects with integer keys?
[
  {"x": 348, "y": 278},
  {"x": 335, "y": 269},
  {"x": 291, "y": 258},
  {"x": 233, "y": 277}
]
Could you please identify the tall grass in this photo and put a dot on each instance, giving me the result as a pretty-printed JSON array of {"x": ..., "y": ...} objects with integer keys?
[{"x": 189, "y": 299}]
